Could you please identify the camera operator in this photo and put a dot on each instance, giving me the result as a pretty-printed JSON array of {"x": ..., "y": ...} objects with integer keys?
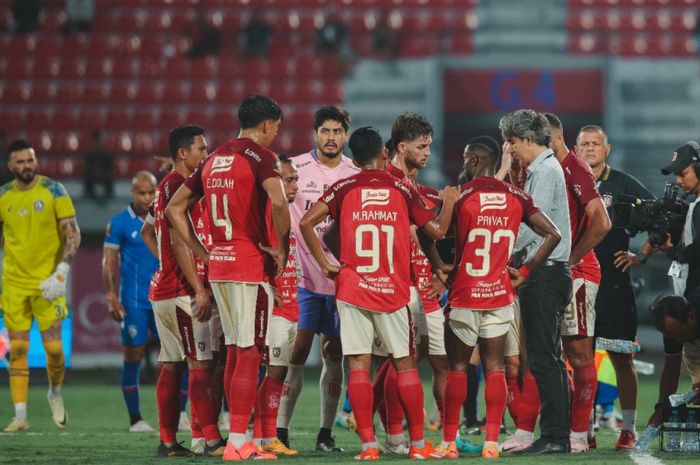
[{"x": 616, "y": 311}]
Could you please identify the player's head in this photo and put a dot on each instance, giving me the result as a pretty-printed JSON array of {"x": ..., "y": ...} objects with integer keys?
[
  {"x": 557, "y": 129},
  {"x": 411, "y": 136},
  {"x": 480, "y": 158},
  {"x": 261, "y": 114},
  {"x": 367, "y": 147},
  {"x": 487, "y": 141},
  {"x": 290, "y": 178},
  {"x": 675, "y": 317},
  {"x": 592, "y": 145},
  {"x": 143, "y": 190},
  {"x": 22, "y": 161},
  {"x": 527, "y": 132},
  {"x": 187, "y": 145},
  {"x": 331, "y": 126}
]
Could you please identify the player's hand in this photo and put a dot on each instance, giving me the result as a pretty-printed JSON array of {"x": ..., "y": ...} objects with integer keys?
[
  {"x": 166, "y": 163},
  {"x": 624, "y": 260},
  {"x": 443, "y": 273},
  {"x": 202, "y": 306},
  {"x": 437, "y": 288},
  {"x": 656, "y": 417},
  {"x": 516, "y": 279},
  {"x": 449, "y": 194},
  {"x": 331, "y": 271},
  {"x": 277, "y": 296},
  {"x": 506, "y": 162},
  {"x": 115, "y": 307},
  {"x": 696, "y": 400},
  {"x": 278, "y": 255},
  {"x": 54, "y": 286}
]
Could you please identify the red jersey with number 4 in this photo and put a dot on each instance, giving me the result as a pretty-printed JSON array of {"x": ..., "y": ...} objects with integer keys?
[
  {"x": 374, "y": 211},
  {"x": 230, "y": 181},
  {"x": 168, "y": 282},
  {"x": 580, "y": 189},
  {"x": 486, "y": 219},
  {"x": 200, "y": 222},
  {"x": 286, "y": 284}
]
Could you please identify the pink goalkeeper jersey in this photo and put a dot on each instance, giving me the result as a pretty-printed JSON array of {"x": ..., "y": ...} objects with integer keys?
[{"x": 314, "y": 179}]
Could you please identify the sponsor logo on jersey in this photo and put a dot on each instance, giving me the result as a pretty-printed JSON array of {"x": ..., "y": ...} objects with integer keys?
[
  {"x": 222, "y": 164},
  {"x": 252, "y": 154},
  {"x": 492, "y": 201},
  {"x": 375, "y": 197}
]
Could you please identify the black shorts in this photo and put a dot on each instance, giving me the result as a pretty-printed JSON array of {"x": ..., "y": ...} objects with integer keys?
[{"x": 616, "y": 315}]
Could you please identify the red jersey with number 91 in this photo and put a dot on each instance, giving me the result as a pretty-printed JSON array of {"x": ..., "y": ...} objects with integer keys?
[
  {"x": 230, "y": 181},
  {"x": 486, "y": 219},
  {"x": 374, "y": 212}
]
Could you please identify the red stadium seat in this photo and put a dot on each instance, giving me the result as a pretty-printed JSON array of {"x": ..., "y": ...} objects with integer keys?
[
  {"x": 145, "y": 119},
  {"x": 175, "y": 92},
  {"x": 70, "y": 92},
  {"x": 118, "y": 119},
  {"x": 91, "y": 118},
  {"x": 66, "y": 120},
  {"x": 203, "y": 92}
]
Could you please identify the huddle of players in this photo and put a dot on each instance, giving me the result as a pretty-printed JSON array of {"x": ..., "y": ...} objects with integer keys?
[{"x": 220, "y": 225}]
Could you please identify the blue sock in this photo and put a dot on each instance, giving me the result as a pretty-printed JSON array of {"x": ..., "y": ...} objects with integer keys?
[
  {"x": 183, "y": 390},
  {"x": 130, "y": 387},
  {"x": 225, "y": 405},
  {"x": 347, "y": 408}
]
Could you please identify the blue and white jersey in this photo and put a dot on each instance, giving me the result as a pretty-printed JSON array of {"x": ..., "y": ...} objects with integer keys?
[{"x": 137, "y": 263}]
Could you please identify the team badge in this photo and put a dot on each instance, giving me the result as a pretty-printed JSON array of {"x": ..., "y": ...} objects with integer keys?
[
  {"x": 133, "y": 331},
  {"x": 201, "y": 345},
  {"x": 38, "y": 206},
  {"x": 607, "y": 200},
  {"x": 276, "y": 352}
]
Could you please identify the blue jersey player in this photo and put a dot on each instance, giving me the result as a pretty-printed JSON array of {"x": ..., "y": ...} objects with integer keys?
[{"x": 124, "y": 249}]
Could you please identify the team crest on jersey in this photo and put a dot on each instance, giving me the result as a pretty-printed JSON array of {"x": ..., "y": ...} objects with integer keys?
[
  {"x": 38, "y": 206},
  {"x": 222, "y": 164},
  {"x": 577, "y": 190},
  {"x": 375, "y": 197},
  {"x": 276, "y": 352},
  {"x": 607, "y": 200},
  {"x": 492, "y": 201}
]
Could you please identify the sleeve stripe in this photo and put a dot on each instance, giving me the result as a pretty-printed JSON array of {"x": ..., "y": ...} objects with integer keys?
[{"x": 112, "y": 246}]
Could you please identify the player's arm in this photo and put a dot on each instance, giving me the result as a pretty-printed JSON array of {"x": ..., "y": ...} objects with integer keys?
[
  {"x": 668, "y": 384},
  {"x": 176, "y": 212},
  {"x": 148, "y": 234},
  {"x": 331, "y": 239},
  {"x": 110, "y": 265},
  {"x": 543, "y": 226},
  {"x": 598, "y": 226},
  {"x": 185, "y": 260},
  {"x": 71, "y": 238},
  {"x": 307, "y": 224},
  {"x": 437, "y": 229},
  {"x": 281, "y": 222},
  {"x": 54, "y": 286}
]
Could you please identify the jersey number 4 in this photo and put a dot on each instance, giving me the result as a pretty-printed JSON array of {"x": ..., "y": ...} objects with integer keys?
[
  {"x": 225, "y": 220},
  {"x": 485, "y": 252},
  {"x": 371, "y": 248}
]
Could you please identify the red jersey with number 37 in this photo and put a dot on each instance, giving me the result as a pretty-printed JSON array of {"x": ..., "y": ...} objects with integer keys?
[
  {"x": 231, "y": 183},
  {"x": 486, "y": 219},
  {"x": 374, "y": 211},
  {"x": 286, "y": 284}
]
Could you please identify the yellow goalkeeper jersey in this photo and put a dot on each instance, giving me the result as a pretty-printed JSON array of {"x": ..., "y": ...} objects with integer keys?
[{"x": 33, "y": 243}]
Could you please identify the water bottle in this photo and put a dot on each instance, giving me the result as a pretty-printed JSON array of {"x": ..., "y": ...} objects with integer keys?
[
  {"x": 651, "y": 433},
  {"x": 643, "y": 368},
  {"x": 691, "y": 439},
  {"x": 681, "y": 399},
  {"x": 673, "y": 443}
]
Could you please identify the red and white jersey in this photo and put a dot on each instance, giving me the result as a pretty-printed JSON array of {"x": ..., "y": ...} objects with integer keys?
[
  {"x": 200, "y": 222},
  {"x": 374, "y": 212},
  {"x": 168, "y": 281},
  {"x": 486, "y": 219},
  {"x": 230, "y": 181},
  {"x": 286, "y": 284},
  {"x": 580, "y": 189}
]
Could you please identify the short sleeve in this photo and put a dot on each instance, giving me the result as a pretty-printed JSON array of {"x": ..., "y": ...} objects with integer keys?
[
  {"x": 418, "y": 213},
  {"x": 194, "y": 180},
  {"x": 62, "y": 201},
  {"x": 584, "y": 185},
  {"x": 113, "y": 234},
  {"x": 529, "y": 207},
  {"x": 269, "y": 167},
  {"x": 330, "y": 198}
]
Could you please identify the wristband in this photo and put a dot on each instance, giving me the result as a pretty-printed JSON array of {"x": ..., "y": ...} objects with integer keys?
[
  {"x": 524, "y": 271},
  {"x": 642, "y": 258}
]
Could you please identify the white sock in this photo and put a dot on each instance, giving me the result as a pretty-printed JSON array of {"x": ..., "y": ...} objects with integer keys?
[
  {"x": 237, "y": 439},
  {"x": 55, "y": 390},
  {"x": 629, "y": 420},
  {"x": 258, "y": 442},
  {"x": 395, "y": 439},
  {"x": 21, "y": 410},
  {"x": 370, "y": 445},
  {"x": 528, "y": 436},
  {"x": 331, "y": 385},
  {"x": 419, "y": 444},
  {"x": 266, "y": 441},
  {"x": 292, "y": 388},
  {"x": 580, "y": 436}
]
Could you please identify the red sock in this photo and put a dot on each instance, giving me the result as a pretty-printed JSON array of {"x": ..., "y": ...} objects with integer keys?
[
  {"x": 228, "y": 370},
  {"x": 411, "y": 395},
  {"x": 529, "y": 403},
  {"x": 513, "y": 400},
  {"x": 495, "y": 394},
  {"x": 168, "y": 399},
  {"x": 243, "y": 391},
  {"x": 360, "y": 394},
  {"x": 378, "y": 387},
  {"x": 203, "y": 404},
  {"x": 585, "y": 385},
  {"x": 194, "y": 422},
  {"x": 257, "y": 421},
  {"x": 455, "y": 393},
  {"x": 392, "y": 403},
  {"x": 269, "y": 395}
]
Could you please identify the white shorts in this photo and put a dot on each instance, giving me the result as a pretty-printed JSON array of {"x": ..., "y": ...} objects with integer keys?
[
  {"x": 358, "y": 327},
  {"x": 181, "y": 335},
  {"x": 245, "y": 309},
  {"x": 436, "y": 332},
  {"x": 216, "y": 331},
  {"x": 420, "y": 325},
  {"x": 513, "y": 337},
  {"x": 579, "y": 319},
  {"x": 691, "y": 359},
  {"x": 470, "y": 325},
  {"x": 281, "y": 334}
]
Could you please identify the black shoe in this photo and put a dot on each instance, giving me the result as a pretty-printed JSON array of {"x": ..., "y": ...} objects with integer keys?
[
  {"x": 217, "y": 450},
  {"x": 327, "y": 444},
  {"x": 542, "y": 447},
  {"x": 283, "y": 435},
  {"x": 175, "y": 451}
]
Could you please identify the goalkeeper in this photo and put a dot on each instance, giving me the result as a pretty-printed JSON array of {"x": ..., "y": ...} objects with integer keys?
[{"x": 41, "y": 238}]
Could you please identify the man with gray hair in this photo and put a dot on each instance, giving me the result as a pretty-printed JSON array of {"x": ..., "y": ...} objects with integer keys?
[{"x": 546, "y": 292}]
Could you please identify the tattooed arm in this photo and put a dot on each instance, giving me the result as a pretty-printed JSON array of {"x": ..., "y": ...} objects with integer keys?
[{"x": 71, "y": 238}]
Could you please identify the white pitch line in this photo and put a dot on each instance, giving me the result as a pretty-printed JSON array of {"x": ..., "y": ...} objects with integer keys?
[{"x": 644, "y": 458}]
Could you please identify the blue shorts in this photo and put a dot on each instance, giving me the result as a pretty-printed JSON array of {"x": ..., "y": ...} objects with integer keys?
[
  {"x": 136, "y": 324},
  {"x": 318, "y": 312}
]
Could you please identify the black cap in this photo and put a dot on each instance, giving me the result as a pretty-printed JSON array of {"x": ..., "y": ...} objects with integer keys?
[{"x": 684, "y": 155}]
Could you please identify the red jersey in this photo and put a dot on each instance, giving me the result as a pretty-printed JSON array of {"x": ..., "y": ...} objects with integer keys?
[
  {"x": 287, "y": 283},
  {"x": 486, "y": 219},
  {"x": 168, "y": 282},
  {"x": 374, "y": 212},
  {"x": 200, "y": 222},
  {"x": 580, "y": 189},
  {"x": 230, "y": 181}
]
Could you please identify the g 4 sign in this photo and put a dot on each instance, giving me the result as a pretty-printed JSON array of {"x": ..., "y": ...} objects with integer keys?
[{"x": 509, "y": 91}]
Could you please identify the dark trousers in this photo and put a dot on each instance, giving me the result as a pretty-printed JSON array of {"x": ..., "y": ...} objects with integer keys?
[{"x": 543, "y": 300}]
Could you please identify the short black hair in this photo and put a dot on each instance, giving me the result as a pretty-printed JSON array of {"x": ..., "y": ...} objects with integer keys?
[
  {"x": 672, "y": 306},
  {"x": 333, "y": 113},
  {"x": 258, "y": 108},
  {"x": 409, "y": 127},
  {"x": 554, "y": 121},
  {"x": 285, "y": 159},
  {"x": 17, "y": 145},
  {"x": 182, "y": 137},
  {"x": 365, "y": 144},
  {"x": 390, "y": 147}
]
